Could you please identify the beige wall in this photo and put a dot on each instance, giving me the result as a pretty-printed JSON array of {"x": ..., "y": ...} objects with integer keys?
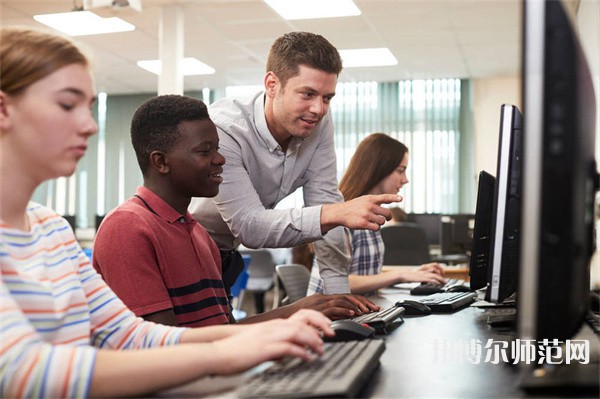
[
  {"x": 588, "y": 20},
  {"x": 488, "y": 96}
]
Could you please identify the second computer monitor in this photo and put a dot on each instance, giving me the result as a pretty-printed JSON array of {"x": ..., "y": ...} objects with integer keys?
[
  {"x": 503, "y": 268},
  {"x": 430, "y": 222},
  {"x": 480, "y": 255}
]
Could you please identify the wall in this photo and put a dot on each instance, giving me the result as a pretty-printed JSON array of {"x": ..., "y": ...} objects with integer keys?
[
  {"x": 488, "y": 96},
  {"x": 588, "y": 20}
]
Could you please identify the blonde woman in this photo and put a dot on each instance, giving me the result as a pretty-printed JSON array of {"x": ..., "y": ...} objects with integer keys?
[{"x": 64, "y": 333}]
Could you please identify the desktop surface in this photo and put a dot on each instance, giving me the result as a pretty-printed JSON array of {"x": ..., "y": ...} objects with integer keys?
[{"x": 421, "y": 359}]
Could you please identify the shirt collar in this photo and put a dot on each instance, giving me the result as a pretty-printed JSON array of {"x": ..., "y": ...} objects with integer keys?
[
  {"x": 260, "y": 121},
  {"x": 161, "y": 208}
]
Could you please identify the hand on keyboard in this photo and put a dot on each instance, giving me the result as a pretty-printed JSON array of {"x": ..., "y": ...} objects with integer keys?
[
  {"x": 249, "y": 345},
  {"x": 339, "y": 306},
  {"x": 427, "y": 273},
  {"x": 383, "y": 320},
  {"x": 342, "y": 371}
]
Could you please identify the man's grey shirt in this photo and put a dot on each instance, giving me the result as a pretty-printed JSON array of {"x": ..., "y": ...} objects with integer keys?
[{"x": 257, "y": 175}]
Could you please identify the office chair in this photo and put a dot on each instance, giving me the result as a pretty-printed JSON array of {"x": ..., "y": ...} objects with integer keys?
[
  {"x": 237, "y": 291},
  {"x": 261, "y": 272},
  {"x": 294, "y": 278},
  {"x": 405, "y": 244}
]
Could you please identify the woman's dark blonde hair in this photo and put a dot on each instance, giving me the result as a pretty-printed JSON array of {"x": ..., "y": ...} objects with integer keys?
[
  {"x": 376, "y": 157},
  {"x": 28, "y": 55}
]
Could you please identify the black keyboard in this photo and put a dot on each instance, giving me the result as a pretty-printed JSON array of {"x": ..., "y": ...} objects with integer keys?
[
  {"x": 343, "y": 370},
  {"x": 382, "y": 320},
  {"x": 448, "y": 301}
]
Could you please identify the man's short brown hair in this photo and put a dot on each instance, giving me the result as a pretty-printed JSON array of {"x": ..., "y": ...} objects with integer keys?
[{"x": 293, "y": 49}]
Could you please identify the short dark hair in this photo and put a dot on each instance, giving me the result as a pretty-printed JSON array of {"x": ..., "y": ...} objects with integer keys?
[
  {"x": 155, "y": 124},
  {"x": 293, "y": 49}
]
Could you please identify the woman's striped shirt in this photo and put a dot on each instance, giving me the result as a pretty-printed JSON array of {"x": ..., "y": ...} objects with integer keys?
[{"x": 56, "y": 311}]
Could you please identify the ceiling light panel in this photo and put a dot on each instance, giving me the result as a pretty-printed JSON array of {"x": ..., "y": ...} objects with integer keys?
[
  {"x": 190, "y": 66},
  {"x": 368, "y": 57},
  {"x": 81, "y": 23},
  {"x": 312, "y": 9}
]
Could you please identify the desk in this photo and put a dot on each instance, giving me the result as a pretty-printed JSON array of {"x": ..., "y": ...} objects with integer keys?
[{"x": 413, "y": 365}]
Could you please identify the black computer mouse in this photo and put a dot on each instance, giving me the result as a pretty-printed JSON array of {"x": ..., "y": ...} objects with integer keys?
[
  {"x": 458, "y": 288},
  {"x": 348, "y": 330},
  {"x": 414, "y": 308},
  {"x": 426, "y": 289}
]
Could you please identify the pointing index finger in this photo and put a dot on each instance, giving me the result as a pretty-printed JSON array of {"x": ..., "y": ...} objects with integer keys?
[{"x": 387, "y": 198}]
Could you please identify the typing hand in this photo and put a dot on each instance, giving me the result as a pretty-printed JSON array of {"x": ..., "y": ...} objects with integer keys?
[
  {"x": 338, "y": 306},
  {"x": 298, "y": 336}
]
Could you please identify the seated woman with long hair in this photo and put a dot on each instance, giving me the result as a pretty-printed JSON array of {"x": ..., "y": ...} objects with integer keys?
[{"x": 377, "y": 167}]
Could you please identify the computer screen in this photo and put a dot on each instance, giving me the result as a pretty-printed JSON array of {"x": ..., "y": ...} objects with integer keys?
[
  {"x": 484, "y": 210},
  {"x": 503, "y": 267},
  {"x": 430, "y": 222},
  {"x": 560, "y": 176},
  {"x": 456, "y": 233}
]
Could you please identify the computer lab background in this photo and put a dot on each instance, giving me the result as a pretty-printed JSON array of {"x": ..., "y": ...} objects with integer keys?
[{"x": 473, "y": 44}]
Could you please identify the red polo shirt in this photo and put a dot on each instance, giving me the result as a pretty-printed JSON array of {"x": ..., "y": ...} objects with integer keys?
[{"x": 156, "y": 259}]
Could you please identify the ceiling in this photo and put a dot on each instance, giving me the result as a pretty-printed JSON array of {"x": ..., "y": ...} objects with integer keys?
[{"x": 430, "y": 39}]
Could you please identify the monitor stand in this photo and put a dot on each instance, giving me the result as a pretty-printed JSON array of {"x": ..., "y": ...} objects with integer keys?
[{"x": 573, "y": 379}]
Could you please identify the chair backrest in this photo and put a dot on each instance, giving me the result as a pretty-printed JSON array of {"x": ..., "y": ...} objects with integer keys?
[
  {"x": 261, "y": 263},
  {"x": 294, "y": 278},
  {"x": 242, "y": 280},
  {"x": 405, "y": 244}
]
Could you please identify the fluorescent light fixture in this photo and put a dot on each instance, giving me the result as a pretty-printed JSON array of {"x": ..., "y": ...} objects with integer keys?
[
  {"x": 312, "y": 9},
  {"x": 190, "y": 66},
  {"x": 368, "y": 57},
  {"x": 80, "y": 23},
  {"x": 134, "y": 4}
]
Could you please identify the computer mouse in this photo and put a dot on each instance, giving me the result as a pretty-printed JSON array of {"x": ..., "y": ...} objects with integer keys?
[
  {"x": 348, "y": 330},
  {"x": 414, "y": 308},
  {"x": 426, "y": 289},
  {"x": 458, "y": 288}
]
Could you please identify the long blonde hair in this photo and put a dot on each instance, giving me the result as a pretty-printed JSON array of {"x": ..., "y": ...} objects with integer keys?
[{"x": 28, "y": 55}]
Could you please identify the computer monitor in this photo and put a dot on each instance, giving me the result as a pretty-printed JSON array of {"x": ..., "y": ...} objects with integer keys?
[
  {"x": 484, "y": 210},
  {"x": 456, "y": 234},
  {"x": 430, "y": 222},
  {"x": 560, "y": 177},
  {"x": 503, "y": 267}
]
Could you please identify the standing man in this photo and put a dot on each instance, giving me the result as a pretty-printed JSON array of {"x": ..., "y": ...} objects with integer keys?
[{"x": 275, "y": 142}]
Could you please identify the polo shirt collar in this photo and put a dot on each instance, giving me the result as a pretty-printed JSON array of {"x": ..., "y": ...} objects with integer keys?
[
  {"x": 161, "y": 208},
  {"x": 260, "y": 121}
]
